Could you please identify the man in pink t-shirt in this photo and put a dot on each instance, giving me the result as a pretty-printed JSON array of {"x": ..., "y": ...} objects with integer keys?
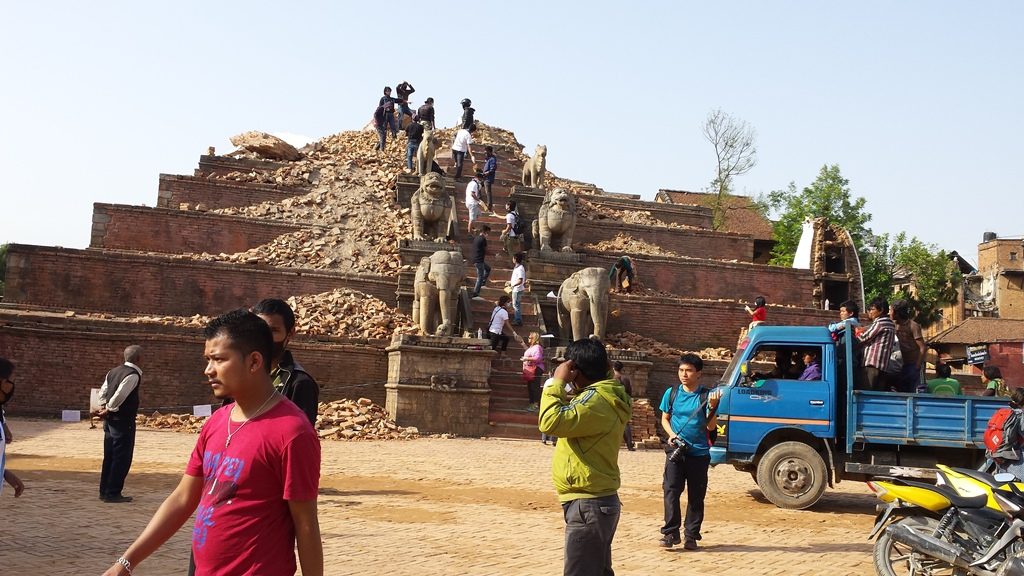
[{"x": 253, "y": 476}]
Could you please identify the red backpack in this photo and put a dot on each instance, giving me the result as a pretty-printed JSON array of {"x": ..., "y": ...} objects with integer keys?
[{"x": 995, "y": 432}]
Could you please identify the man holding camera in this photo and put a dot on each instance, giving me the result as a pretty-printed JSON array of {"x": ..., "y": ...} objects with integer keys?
[
  {"x": 688, "y": 415},
  {"x": 585, "y": 466}
]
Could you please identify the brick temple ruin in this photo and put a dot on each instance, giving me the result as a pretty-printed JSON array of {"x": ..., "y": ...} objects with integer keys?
[{"x": 243, "y": 228}]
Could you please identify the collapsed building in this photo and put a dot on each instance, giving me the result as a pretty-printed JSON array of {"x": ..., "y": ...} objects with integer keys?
[{"x": 329, "y": 227}]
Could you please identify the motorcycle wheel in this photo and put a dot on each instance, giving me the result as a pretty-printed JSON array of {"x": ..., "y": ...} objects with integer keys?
[{"x": 895, "y": 559}]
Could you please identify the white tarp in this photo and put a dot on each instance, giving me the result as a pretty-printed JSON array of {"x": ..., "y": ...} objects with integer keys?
[{"x": 803, "y": 249}]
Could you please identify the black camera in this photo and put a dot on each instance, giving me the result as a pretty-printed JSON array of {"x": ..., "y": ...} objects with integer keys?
[{"x": 678, "y": 454}]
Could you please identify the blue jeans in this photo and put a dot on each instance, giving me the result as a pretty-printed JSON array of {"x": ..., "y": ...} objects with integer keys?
[
  {"x": 483, "y": 272},
  {"x": 410, "y": 153},
  {"x": 590, "y": 525},
  {"x": 460, "y": 158},
  {"x": 382, "y": 137},
  {"x": 392, "y": 124},
  {"x": 517, "y": 304}
]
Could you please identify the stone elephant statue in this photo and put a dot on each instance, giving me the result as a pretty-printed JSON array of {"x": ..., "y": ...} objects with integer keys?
[
  {"x": 432, "y": 210},
  {"x": 436, "y": 289},
  {"x": 582, "y": 299}
]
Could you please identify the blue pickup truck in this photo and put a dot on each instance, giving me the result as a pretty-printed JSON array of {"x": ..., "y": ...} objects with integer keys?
[{"x": 798, "y": 437}]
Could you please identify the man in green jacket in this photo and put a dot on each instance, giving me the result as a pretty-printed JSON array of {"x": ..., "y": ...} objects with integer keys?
[{"x": 585, "y": 466}]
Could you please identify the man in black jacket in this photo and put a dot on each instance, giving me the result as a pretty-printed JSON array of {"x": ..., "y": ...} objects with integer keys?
[
  {"x": 290, "y": 378},
  {"x": 119, "y": 403}
]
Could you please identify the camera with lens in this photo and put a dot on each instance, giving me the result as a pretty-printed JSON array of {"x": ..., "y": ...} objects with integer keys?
[{"x": 679, "y": 449}]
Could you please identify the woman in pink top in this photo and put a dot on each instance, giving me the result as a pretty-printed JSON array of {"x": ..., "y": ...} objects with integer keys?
[{"x": 533, "y": 370}]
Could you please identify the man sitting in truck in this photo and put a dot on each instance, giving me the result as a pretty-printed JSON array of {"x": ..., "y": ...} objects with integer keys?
[
  {"x": 877, "y": 341},
  {"x": 944, "y": 384}
]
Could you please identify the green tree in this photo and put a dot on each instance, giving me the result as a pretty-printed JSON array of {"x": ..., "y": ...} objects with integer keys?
[
  {"x": 735, "y": 154},
  {"x": 926, "y": 276},
  {"x": 827, "y": 197}
]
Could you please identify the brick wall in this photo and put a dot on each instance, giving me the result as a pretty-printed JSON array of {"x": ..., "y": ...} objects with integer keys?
[
  {"x": 176, "y": 190},
  {"x": 693, "y": 325},
  {"x": 58, "y": 364},
  {"x": 682, "y": 241},
  {"x": 693, "y": 278},
  {"x": 172, "y": 231},
  {"x": 90, "y": 280},
  {"x": 213, "y": 164}
]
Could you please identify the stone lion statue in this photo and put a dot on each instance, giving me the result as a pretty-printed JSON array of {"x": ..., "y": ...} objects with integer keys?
[
  {"x": 432, "y": 209},
  {"x": 556, "y": 220},
  {"x": 425, "y": 153},
  {"x": 533, "y": 169}
]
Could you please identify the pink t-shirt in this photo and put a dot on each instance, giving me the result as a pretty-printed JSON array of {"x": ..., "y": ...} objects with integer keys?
[{"x": 243, "y": 524}]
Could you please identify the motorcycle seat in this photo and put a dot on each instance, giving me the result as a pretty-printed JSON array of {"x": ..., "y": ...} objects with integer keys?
[
  {"x": 983, "y": 477},
  {"x": 962, "y": 502}
]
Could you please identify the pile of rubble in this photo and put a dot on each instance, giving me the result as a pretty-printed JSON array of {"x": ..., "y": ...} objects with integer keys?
[
  {"x": 351, "y": 313},
  {"x": 633, "y": 341},
  {"x": 592, "y": 209},
  {"x": 359, "y": 420},
  {"x": 176, "y": 422},
  {"x": 626, "y": 244},
  {"x": 340, "y": 313},
  {"x": 645, "y": 423},
  {"x": 339, "y": 420}
]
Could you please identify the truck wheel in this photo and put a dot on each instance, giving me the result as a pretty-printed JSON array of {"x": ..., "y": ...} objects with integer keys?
[
  {"x": 792, "y": 475},
  {"x": 895, "y": 559}
]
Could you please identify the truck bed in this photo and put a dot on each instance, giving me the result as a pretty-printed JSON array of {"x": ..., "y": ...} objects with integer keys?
[{"x": 920, "y": 419}]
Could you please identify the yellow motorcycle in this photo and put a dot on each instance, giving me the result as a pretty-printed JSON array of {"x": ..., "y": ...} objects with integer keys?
[{"x": 952, "y": 528}]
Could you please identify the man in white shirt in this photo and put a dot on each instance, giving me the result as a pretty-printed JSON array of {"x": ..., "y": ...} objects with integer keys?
[
  {"x": 518, "y": 287},
  {"x": 473, "y": 201},
  {"x": 496, "y": 328},
  {"x": 509, "y": 239},
  {"x": 119, "y": 403},
  {"x": 461, "y": 147}
]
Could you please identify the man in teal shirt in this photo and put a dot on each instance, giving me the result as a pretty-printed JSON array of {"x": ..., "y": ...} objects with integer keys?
[
  {"x": 687, "y": 415},
  {"x": 585, "y": 466},
  {"x": 944, "y": 385}
]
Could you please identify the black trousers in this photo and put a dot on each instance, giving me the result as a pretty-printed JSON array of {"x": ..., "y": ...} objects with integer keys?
[
  {"x": 692, "y": 471},
  {"x": 590, "y": 525},
  {"x": 118, "y": 448},
  {"x": 495, "y": 338}
]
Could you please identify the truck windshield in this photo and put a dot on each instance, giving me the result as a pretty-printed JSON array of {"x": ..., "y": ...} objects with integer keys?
[{"x": 734, "y": 364}]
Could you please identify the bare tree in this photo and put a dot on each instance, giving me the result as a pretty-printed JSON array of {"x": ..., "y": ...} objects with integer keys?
[{"x": 736, "y": 153}]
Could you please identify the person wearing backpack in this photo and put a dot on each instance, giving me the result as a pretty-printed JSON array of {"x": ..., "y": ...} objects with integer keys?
[
  {"x": 1003, "y": 436},
  {"x": 688, "y": 416},
  {"x": 515, "y": 226}
]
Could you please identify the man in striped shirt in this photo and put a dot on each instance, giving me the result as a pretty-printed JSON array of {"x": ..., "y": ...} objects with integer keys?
[{"x": 877, "y": 340}]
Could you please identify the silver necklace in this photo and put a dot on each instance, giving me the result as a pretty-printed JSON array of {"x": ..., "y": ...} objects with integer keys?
[{"x": 259, "y": 411}]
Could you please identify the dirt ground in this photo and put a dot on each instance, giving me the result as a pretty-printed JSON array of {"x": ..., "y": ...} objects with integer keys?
[{"x": 422, "y": 507}]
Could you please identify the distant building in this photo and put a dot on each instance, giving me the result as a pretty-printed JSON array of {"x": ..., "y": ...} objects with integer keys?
[
  {"x": 998, "y": 287},
  {"x": 741, "y": 217},
  {"x": 984, "y": 341}
]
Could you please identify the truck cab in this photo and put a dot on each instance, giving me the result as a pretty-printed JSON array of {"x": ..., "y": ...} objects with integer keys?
[{"x": 799, "y": 436}]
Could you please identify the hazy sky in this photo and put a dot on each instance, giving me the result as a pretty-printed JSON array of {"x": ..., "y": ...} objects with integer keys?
[{"x": 918, "y": 102}]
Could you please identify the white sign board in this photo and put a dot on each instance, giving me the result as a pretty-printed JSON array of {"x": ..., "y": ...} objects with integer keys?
[
  {"x": 201, "y": 410},
  {"x": 71, "y": 415}
]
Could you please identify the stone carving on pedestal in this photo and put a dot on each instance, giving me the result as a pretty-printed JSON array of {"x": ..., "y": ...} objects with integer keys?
[
  {"x": 582, "y": 299},
  {"x": 432, "y": 209},
  {"x": 533, "y": 169},
  {"x": 436, "y": 289},
  {"x": 556, "y": 221},
  {"x": 425, "y": 153}
]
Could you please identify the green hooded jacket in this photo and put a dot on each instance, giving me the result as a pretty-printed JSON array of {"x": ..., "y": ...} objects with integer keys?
[{"x": 589, "y": 428}]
